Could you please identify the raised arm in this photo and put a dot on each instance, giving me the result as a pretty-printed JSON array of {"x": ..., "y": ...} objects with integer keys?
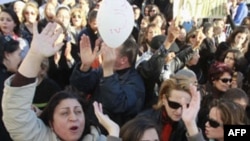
[{"x": 20, "y": 121}]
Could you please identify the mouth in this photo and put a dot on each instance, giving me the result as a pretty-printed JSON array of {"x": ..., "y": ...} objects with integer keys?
[{"x": 74, "y": 129}]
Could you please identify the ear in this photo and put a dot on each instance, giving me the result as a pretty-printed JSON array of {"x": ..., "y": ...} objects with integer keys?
[
  {"x": 163, "y": 100},
  {"x": 124, "y": 60},
  {"x": 7, "y": 55}
]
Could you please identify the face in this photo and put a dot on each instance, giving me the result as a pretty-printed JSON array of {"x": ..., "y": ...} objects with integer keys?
[
  {"x": 152, "y": 12},
  {"x": 63, "y": 16},
  {"x": 175, "y": 98},
  {"x": 13, "y": 60},
  {"x": 223, "y": 83},
  {"x": 76, "y": 19},
  {"x": 151, "y": 33},
  {"x": 137, "y": 13},
  {"x": 7, "y": 24},
  {"x": 210, "y": 32},
  {"x": 240, "y": 38},
  {"x": 229, "y": 60},
  {"x": 182, "y": 35},
  {"x": 150, "y": 135},
  {"x": 50, "y": 11},
  {"x": 18, "y": 7},
  {"x": 212, "y": 132},
  {"x": 68, "y": 120},
  {"x": 194, "y": 60},
  {"x": 143, "y": 24},
  {"x": 30, "y": 14},
  {"x": 93, "y": 24}
]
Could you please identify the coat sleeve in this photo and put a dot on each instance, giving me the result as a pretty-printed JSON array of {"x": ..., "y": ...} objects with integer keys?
[{"x": 20, "y": 121}]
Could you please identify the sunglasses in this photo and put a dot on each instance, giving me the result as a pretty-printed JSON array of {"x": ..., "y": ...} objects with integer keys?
[
  {"x": 174, "y": 105},
  {"x": 27, "y": 13},
  {"x": 226, "y": 80},
  {"x": 76, "y": 16},
  {"x": 213, "y": 123},
  {"x": 192, "y": 36}
]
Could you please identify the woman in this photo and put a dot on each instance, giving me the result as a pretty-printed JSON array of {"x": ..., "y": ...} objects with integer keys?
[
  {"x": 63, "y": 119},
  {"x": 49, "y": 13},
  {"x": 30, "y": 15},
  {"x": 222, "y": 112},
  {"x": 9, "y": 25},
  {"x": 78, "y": 20},
  {"x": 219, "y": 81},
  {"x": 10, "y": 58},
  {"x": 237, "y": 40},
  {"x": 173, "y": 95},
  {"x": 235, "y": 60},
  {"x": 139, "y": 129}
]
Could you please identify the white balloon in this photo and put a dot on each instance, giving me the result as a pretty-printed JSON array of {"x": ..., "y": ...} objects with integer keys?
[
  {"x": 115, "y": 21},
  {"x": 6, "y": 1}
]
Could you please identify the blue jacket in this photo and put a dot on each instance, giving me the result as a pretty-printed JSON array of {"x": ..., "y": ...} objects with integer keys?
[
  {"x": 241, "y": 13},
  {"x": 121, "y": 94}
]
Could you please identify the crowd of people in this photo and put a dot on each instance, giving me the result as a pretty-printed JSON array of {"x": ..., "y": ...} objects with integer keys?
[{"x": 170, "y": 80}]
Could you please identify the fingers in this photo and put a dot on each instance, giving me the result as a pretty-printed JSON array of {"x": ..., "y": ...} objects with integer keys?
[{"x": 35, "y": 30}]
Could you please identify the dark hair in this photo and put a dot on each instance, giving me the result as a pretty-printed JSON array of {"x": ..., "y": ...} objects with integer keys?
[
  {"x": 237, "y": 30},
  {"x": 129, "y": 49},
  {"x": 7, "y": 44},
  {"x": 240, "y": 61},
  {"x": 15, "y": 19},
  {"x": 234, "y": 94},
  {"x": 69, "y": 93},
  {"x": 92, "y": 15},
  {"x": 217, "y": 69},
  {"x": 206, "y": 26},
  {"x": 134, "y": 129}
]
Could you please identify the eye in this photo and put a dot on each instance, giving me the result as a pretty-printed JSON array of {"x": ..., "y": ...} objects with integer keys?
[{"x": 64, "y": 113}]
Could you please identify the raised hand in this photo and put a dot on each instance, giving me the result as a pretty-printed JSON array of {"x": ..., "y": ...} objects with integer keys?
[
  {"x": 46, "y": 43},
  {"x": 112, "y": 128},
  {"x": 87, "y": 55},
  {"x": 43, "y": 45},
  {"x": 108, "y": 60}
]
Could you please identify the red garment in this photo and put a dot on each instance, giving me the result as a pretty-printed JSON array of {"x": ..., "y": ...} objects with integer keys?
[{"x": 167, "y": 128}]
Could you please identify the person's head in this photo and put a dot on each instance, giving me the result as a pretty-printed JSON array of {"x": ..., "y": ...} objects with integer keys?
[
  {"x": 190, "y": 74},
  {"x": 18, "y": 8},
  {"x": 137, "y": 12},
  {"x": 64, "y": 114},
  {"x": 10, "y": 53},
  {"x": 174, "y": 93},
  {"x": 144, "y": 22},
  {"x": 183, "y": 34},
  {"x": 63, "y": 15},
  {"x": 154, "y": 9},
  {"x": 234, "y": 59},
  {"x": 151, "y": 31},
  {"x": 158, "y": 19},
  {"x": 78, "y": 18},
  {"x": 44, "y": 68},
  {"x": 140, "y": 129},
  {"x": 237, "y": 96},
  {"x": 50, "y": 11},
  {"x": 126, "y": 54},
  {"x": 92, "y": 19},
  {"x": 191, "y": 35},
  {"x": 194, "y": 59},
  {"x": 30, "y": 12},
  {"x": 9, "y": 22},
  {"x": 146, "y": 10},
  {"x": 239, "y": 37},
  {"x": 237, "y": 80},
  {"x": 246, "y": 22},
  {"x": 223, "y": 112},
  {"x": 208, "y": 30},
  {"x": 220, "y": 76},
  {"x": 157, "y": 42}
]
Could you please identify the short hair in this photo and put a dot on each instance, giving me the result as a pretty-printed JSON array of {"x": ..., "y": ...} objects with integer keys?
[
  {"x": 7, "y": 44},
  {"x": 217, "y": 69},
  {"x": 92, "y": 15},
  {"x": 234, "y": 94},
  {"x": 130, "y": 49},
  {"x": 134, "y": 129}
]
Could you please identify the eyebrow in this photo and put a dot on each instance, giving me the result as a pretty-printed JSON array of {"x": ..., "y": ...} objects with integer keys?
[{"x": 68, "y": 107}]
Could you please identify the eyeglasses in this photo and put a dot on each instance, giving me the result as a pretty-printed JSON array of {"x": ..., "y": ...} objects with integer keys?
[
  {"x": 174, "y": 105},
  {"x": 213, "y": 123},
  {"x": 193, "y": 36},
  {"x": 76, "y": 16},
  {"x": 226, "y": 80}
]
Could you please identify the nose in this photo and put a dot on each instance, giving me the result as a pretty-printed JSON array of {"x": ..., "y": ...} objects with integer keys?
[{"x": 72, "y": 117}]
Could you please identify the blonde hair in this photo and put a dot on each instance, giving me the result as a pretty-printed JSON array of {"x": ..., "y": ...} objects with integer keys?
[
  {"x": 78, "y": 10},
  {"x": 176, "y": 82},
  {"x": 34, "y": 6}
]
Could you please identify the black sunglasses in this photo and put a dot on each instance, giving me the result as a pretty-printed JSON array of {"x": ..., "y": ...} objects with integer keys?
[
  {"x": 213, "y": 123},
  {"x": 226, "y": 80},
  {"x": 174, "y": 105}
]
